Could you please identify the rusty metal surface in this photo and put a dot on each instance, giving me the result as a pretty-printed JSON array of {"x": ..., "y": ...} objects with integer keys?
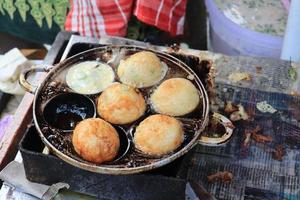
[{"x": 37, "y": 169}]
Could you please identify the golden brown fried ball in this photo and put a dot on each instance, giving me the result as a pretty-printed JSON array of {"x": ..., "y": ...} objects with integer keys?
[
  {"x": 95, "y": 140},
  {"x": 142, "y": 69},
  {"x": 121, "y": 104},
  {"x": 158, "y": 135},
  {"x": 175, "y": 97}
]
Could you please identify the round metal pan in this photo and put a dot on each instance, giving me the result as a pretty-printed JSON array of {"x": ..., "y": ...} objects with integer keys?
[{"x": 132, "y": 161}]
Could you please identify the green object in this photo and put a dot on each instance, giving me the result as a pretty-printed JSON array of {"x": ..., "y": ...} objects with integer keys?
[
  {"x": 37, "y": 21},
  {"x": 34, "y": 3},
  {"x": 1, "y": 7},
  {"x": 40, "y": 10},
  {"x": 133, "y": 33},
  {"x": 293, "y": 73},
  {"x": 23, "y": 8},
  {"x": 139, "y": 31},
  {"x": 37, "y": 15},
  {"x": 48, "y": 11},
  {"x": 61, "y": 7},
  {"x": 8, "y": 5}
]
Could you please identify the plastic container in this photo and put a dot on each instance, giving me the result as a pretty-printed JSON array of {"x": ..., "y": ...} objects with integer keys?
[
  {"x": 230, "y": 38},
  {"x": 291, "y": 48}
]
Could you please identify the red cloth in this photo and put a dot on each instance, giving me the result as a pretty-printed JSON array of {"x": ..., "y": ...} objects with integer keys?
[{"x": 110, "y": 17}]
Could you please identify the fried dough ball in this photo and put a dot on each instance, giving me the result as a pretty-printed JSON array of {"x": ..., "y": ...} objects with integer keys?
[
  {"x": 158, "y": 135},
  {"x": 175, "y": 97},
  {"x": 121, "y": 104},
  {"x": 142, "y": 69},
  {"x": 95, "y": 140}
]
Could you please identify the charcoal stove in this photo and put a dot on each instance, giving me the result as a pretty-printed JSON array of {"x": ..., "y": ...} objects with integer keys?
[
  {"x": 49, "y": 169},
  {"x": 257, "y": 172}
]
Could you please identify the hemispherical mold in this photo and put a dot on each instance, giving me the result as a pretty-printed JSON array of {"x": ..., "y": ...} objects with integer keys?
[{"x": 65, "y": 110}]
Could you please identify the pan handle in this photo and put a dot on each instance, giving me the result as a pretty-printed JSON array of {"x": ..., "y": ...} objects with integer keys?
[
  {"x": 25, "y": 74},
  {"x": 217, "y": 141}
]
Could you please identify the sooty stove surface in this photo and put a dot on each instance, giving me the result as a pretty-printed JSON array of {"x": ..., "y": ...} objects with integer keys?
[{"x": 167, "y": 182}]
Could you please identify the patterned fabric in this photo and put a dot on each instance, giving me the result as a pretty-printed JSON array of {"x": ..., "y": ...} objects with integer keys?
[
  {"x": 40, "y": 10},
  {"x": 96, "y": 17},
  {"x": 266, "y": 16}
]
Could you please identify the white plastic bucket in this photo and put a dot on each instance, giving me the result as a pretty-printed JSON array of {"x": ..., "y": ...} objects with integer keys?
[{"x": 229, "y": 38}]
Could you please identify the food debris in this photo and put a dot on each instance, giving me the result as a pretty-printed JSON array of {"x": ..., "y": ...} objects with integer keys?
[
  {"x": 259, "y": 137},
  {"x": 210, "y": 82},
  {"x": 224, "y": 177},
  {"x": 278, "y": 153},
  {"x": 241, "y": 114},
  {"x": 254, "y": 134},
  {"x": 258, "y": 69},
  {"x": 239, "y": 76},
  {"x": 246, "y": 142},
  {"x": 257, "y": 129},
  {"x": 230, "y": 108},
  {"x": 262, "y": 138},
  {"x": 264, "y": 107}
]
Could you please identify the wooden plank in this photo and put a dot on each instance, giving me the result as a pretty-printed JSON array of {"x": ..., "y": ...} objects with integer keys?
[
  {"x": 15, "y": 130},
  {"x": 34, "y": 54},
  {"x": 23, "y": 115}
]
